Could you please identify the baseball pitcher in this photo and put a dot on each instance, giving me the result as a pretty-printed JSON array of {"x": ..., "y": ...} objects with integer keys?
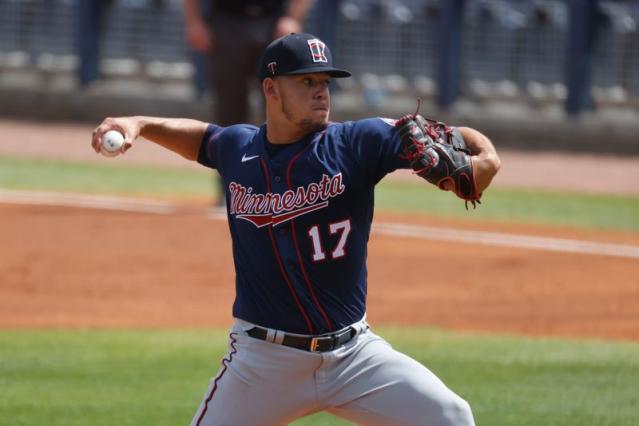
[{"x": 299, "y": 199}]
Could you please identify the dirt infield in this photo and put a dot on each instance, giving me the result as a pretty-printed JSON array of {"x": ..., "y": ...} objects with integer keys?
[{"x": 70, "y": 267}]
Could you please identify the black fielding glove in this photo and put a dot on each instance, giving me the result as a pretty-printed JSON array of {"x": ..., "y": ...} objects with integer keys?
[{"x": 438, "y": 154}]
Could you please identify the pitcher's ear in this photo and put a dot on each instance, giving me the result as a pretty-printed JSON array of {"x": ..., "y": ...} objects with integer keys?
[{"x": 270, "y": 89}]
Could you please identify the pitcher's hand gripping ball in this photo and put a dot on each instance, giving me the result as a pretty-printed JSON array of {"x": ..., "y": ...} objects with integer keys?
[
  {"x": 112, "y": 142},
  {"x": 439, "y": 154}
]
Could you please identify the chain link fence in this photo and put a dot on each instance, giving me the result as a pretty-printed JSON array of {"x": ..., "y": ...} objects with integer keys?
[{"x": 513, "y": 49}]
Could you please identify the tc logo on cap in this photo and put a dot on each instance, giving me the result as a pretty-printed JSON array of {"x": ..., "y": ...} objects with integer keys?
[
  {"x": 272, "y": 67},
  {"x": 317, "y": 47}
]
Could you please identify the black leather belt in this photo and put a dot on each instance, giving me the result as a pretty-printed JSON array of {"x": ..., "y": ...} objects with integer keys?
[{"x": 322, "y": 343}]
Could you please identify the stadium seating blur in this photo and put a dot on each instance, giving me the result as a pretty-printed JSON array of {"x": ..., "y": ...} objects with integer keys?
[
  {"x": 511, "y": 49},
  {"x": 141, "y": 38}
]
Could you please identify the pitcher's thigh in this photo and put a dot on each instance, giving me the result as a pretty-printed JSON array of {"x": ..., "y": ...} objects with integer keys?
[
  {"x": 390, "y": 388},
  {"x": 256, "y": 385},
  {"x": 230, "y": 401}
]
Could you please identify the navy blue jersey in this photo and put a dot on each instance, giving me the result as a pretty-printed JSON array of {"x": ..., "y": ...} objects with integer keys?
[{"x": 300, "y": 217}]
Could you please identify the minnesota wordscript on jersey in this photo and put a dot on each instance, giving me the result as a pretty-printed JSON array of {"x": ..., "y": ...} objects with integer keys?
[{"x": 273, "y": 208}]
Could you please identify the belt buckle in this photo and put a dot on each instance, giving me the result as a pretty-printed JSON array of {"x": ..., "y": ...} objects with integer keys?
[
  {"x": 333, "y": 338},
  {"x": 314, "y": 342}
]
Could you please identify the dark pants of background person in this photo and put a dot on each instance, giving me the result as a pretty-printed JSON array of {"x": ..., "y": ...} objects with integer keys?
[{"x": 239, "y": 43}]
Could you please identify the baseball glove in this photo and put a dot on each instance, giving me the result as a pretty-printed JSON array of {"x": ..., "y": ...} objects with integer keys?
[{"x": 438, "y": 154}]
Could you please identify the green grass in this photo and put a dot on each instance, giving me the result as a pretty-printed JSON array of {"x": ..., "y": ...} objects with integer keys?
[
  {"x": 108, "y": 178},
  {"x": 515, "y": 205},
  {"x": 504, "y": 205},
  {"x": 153, "y": 377}
]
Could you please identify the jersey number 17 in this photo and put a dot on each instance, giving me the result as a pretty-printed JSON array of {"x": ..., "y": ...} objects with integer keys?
[{"x": 342, "y": 228}]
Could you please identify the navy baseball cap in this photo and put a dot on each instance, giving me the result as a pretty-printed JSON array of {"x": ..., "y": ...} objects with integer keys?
[{"x": 298, "y": 54}]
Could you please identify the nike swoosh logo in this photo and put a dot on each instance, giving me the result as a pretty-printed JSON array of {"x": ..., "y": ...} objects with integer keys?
[{"x": 245, "y": 158}]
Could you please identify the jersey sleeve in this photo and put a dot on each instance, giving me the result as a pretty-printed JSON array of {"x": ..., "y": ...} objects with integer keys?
[
  {"x": 377, "y": 147},
  {"x": 209, "y": 153}
]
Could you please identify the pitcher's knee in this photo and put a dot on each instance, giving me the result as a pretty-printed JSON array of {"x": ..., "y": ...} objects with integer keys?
[{"x": 456, "y": 412}]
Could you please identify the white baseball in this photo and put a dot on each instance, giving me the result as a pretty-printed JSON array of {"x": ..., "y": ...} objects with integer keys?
[{"x": 112, "y": 142}]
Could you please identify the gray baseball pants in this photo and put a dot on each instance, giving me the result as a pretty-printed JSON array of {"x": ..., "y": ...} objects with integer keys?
[{"x": 365, "y": 381}]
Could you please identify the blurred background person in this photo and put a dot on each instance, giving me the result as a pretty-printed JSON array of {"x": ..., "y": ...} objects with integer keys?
[{"x": 233, "y": 34}]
